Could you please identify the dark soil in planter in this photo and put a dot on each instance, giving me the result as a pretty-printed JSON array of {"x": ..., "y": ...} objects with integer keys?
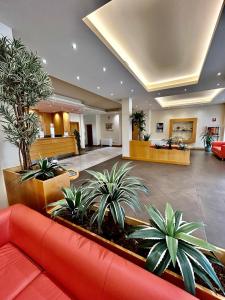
[{"x": 111, "y": 233}]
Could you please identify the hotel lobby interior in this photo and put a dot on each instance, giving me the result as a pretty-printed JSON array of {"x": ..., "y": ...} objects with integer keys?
[{"x": 112, "y": 149}]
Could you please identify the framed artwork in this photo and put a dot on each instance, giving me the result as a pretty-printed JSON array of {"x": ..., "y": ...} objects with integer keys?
[
  {"x": 159, "y": 127},
  {"x": 109, "y": 126}
]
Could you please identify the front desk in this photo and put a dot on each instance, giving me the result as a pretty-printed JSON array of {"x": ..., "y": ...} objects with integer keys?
[
  {"x": 141, "y": 150},
  {"x": 53, "y": 147}
]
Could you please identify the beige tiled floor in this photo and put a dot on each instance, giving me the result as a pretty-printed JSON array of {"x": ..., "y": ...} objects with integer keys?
[{"x": 91, "y": 158}]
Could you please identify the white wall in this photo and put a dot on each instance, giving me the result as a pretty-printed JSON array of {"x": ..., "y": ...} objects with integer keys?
[
  {"x": 204, "y": 114},
  {"x": 6, "y": 31},
  {"x": 116, "y": 133}
]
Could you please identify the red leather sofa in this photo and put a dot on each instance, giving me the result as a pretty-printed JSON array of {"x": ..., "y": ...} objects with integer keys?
[
  {"x": 218, "y": 148},
  {"x": 40, "y": 259}
]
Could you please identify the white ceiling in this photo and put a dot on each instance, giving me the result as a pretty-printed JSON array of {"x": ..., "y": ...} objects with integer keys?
[
  {"x": 50, "y": 28},
  {"x": 159, "y": 45}
]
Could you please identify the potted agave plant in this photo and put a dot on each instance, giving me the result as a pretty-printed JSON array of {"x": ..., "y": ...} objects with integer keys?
[
  {"x": 164, "y": 246},
  {"x": 23, "y": 83}
]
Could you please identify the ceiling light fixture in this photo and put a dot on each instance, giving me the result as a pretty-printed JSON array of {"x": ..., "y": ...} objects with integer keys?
[
  {"x": 104, "y": 69},
  {"x": 218, "y": 84},
  {"x": 98, "y": 87},
  {"x": 74, "y": 45},
  {"x": 132, "y": 90},
  {"x": 44, "y": 61},
  {"x": 218, "y": 74},
  {"x": 78, "y": 77},
  {"x": 111, "y": 94},
  {"x": 121, "y": 82},
  {"x": 159, "y": 94},
  {"x": 185, "y": 90}
]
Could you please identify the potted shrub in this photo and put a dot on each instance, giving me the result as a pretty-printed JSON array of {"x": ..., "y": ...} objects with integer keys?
[
  {"x": 138, "y": 120},
  {"x": 207, "y": 139},
  {"x": 147, "y": 137},
  {"x": 23, "y": 83},
  {"x": 112, "y": 229}
]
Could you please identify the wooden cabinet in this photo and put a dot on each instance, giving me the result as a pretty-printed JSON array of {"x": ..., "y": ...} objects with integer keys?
[{"x": 184, "y": 129}]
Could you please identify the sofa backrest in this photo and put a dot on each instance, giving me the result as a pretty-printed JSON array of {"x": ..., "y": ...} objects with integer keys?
[{"x": 84, "y": 268}]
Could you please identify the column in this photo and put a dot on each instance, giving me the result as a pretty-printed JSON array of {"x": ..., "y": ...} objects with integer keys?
[
  {"x": 98, "y": 130},
  {"x": 126, "y": 126},
  {"x": 82, "y": 131}
]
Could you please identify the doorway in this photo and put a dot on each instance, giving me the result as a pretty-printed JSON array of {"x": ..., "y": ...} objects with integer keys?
[{"x": 89, "y": 135}]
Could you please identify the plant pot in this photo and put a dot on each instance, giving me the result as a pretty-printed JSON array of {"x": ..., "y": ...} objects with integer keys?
[
  {"x": 34, "y": 193},
  {"x": 201, "y": 292},
  {"x": 208, "y": 149}
]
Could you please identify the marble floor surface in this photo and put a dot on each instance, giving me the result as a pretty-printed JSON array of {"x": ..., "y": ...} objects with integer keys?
[{"x": 91, "y": 158}]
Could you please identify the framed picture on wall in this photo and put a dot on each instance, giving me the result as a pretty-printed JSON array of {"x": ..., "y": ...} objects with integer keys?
[
  {"x": 159, "y": 127},
  {"x": 109, "y": 126}
]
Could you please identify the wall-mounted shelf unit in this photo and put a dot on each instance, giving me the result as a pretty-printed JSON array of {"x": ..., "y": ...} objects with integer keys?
[{"x": 184, "y": 129}]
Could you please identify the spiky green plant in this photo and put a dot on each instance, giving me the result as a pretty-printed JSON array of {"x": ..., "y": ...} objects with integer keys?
[
  {"x": 23, "y": 83},
  {"x": 72, "y": 205},
  {"x": 45, "y": 170},
  {"x": 170, "y": 241},
  {"x": 111, "y": 190}
]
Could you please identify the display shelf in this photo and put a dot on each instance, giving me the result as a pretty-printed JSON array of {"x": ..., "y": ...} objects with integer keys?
[{"x": 184, "y": 129}]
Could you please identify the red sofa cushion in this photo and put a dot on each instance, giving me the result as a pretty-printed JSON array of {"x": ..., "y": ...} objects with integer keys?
[
  {"x": 16, "y": 271},
  {"x": 42, "y": 288},
  {"x": 83, "y": 268}
]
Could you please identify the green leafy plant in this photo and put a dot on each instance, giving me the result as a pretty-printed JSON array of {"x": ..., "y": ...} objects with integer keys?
[
  {"x": 44, "y": 170},
  {"x": 72, "y": 205},
  {"x": 138, "y": 119},
  {"x": 77, "y": 136},
  {"x": 23, "y": 83},
  {"x": 170, "y": 241},
  {"x": 207, "y": 139},
  {"x": 111, "y": 190},
  {"x": 169, "y": 142},
  {"x": 147, "y": 137}
]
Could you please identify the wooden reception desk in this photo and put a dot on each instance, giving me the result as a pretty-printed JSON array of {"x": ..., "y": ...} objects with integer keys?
[
  {"x": 53, "y": 147},
  {"x": 141, "y": 150}
]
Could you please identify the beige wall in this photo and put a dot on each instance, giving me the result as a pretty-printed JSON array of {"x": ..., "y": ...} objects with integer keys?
[
  {"x": 116, "y": 132},
  {"x": 204, "y": 114},
  {"x": 88, "y": 98}
]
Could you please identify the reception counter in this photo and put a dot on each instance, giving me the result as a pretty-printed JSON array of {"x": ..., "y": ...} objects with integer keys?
[
  {"x": 53, "y": 147},
  {"x": 141, "y": 150}
]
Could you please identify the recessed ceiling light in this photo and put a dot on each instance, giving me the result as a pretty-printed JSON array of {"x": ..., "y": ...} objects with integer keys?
[
  {"x": 104, "y": 69},
  {"x": 111, "y": 94},
  {"x": 98, "y": 87},
  {"x": 44, "y": 61},
  {"x": 78, "y": 77},
  {"x": 218, "y": 84},
  {"x": 185, "y": 90},
  {"x": 74, "y": 45},
  {"x": 218, "y": 74},
  {"x": 132, "y": 90},
  {"x": 121, "y": 82}
]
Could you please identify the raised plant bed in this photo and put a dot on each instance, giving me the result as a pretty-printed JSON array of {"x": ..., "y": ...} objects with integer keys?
[
  {"x": 34, "y": 193},
  {"x": 202, "y": 292}
]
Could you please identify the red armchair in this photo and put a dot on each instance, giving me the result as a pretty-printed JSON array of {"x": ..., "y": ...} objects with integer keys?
[
  {"x": 40, "y": 259},
  {"x": 218, "y": 148}
]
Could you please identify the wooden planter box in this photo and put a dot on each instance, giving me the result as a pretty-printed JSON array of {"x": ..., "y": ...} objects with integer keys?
[
  {"x": 201, "y": 292},
  {"x": 34, "y": 193}
]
